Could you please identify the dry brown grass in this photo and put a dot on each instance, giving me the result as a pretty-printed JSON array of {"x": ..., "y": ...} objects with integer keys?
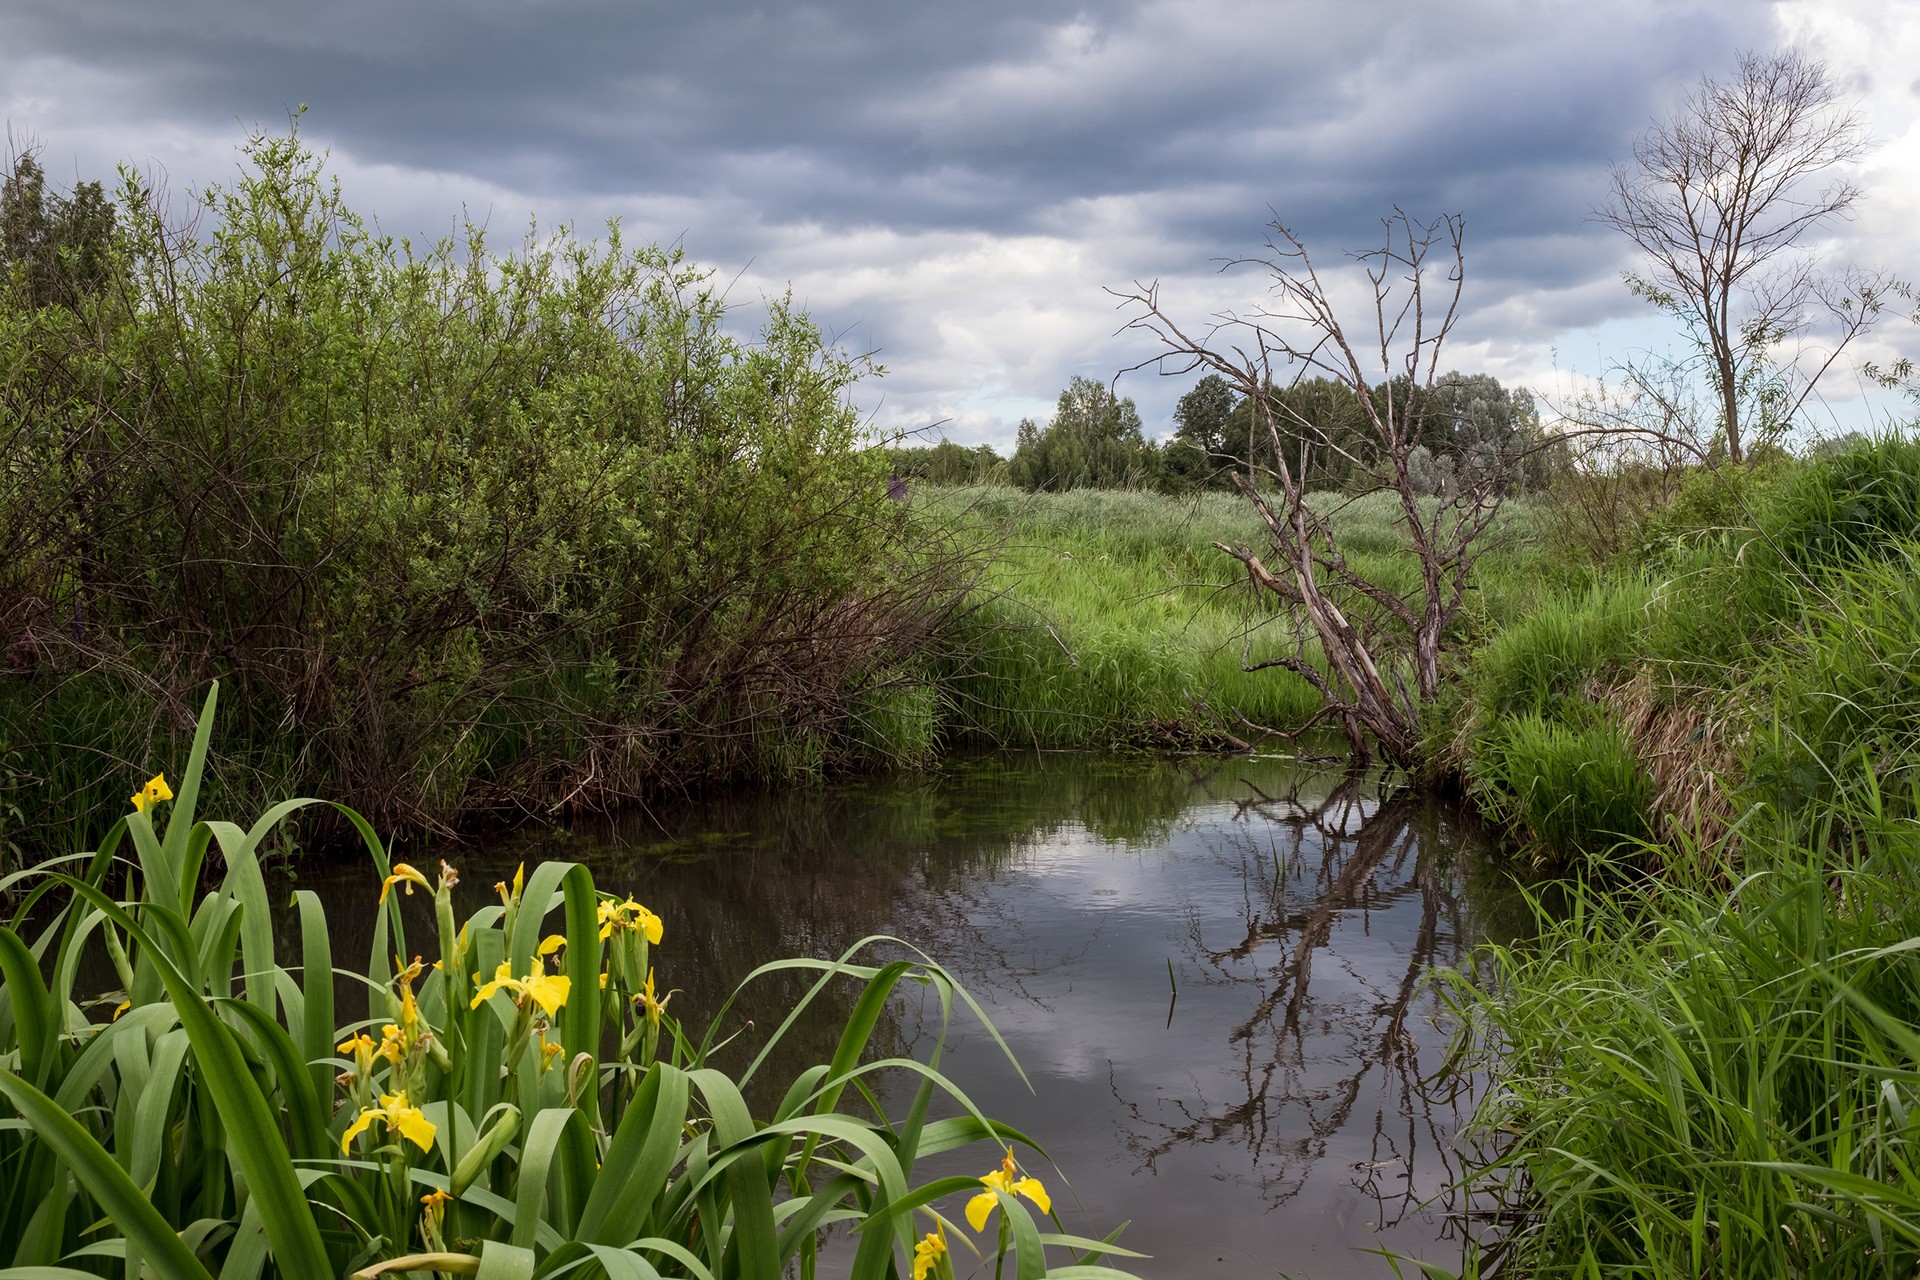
[{"x": 1689, "y": 742}]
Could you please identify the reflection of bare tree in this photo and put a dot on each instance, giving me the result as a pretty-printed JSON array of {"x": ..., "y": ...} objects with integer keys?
[{"x": 1309, "y": 1066}]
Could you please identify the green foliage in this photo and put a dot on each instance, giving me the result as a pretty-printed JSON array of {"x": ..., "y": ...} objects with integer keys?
[
  {"x": 1093, "y": 442},
  {"x": 56, "y": 248},
  {"x": 1578, "y": 788},
  {"x": 524, "y": 1105},
  {"x": 1783, "y": 621},
  {"x": 1541, "y": 661},
  {"x": 468, "y": 531},
  {"x": 947, "y": 463},
  {"x": 1109, "y": 619},
  {"x": 1712, "y": 1074},
  {"x": 1467, "y": 425}
]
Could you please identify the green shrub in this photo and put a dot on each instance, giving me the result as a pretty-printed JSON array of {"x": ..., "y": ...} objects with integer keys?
[{"x": 467, "y": 531}]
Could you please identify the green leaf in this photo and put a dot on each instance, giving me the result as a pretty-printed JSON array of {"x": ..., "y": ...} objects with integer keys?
[
  {"x": 753, "y": 1246},
  {"x": 36, "y": 1020},
  {"x": 297, "y": 1247},
  {"x": 133, "y": 1215},
  {"x": 306, "y": 1117},
  {"x": 505, "y": 1262},
  {"x": 316, "y": 984},
  {"x": 638, "y": 1160},
  {"x": 537, "y": 1158},
  {"x": 180, "y": 825}
]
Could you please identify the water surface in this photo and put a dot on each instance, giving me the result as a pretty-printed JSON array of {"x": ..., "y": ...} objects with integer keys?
[{"x": 1211, "y": 971}]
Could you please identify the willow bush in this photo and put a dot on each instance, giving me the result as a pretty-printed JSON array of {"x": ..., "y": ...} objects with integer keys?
[
  {"x": 467, "y": 530},
  {"x": 523, "y": 1104}
]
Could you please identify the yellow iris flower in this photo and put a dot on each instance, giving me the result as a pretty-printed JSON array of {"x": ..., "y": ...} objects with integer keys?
[
  {"x": 926, "y": 1254},
  {"x": 509, "y": 897},
  {"x": 404, "y": 875},
  {"x": 153, "y": 793},
  {"x": 362, "y": 1048},
  {"x": 552, "y": 943},
  {"x": 393, "y": 1044},
  {"x": 546, "y": 990},
  {"x": 981, "y": 1207},
  {"x": 650, "y": 1005},
  {"x": 548, "y": 1050},
  {"x": 409, "y": 1007},
  {"x": 629, "y": 915},
  {"x": 409, "y": 1122}
]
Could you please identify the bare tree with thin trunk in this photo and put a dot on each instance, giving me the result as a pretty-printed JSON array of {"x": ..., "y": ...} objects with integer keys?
[
  {"x": 1721, "y": 198},
  {"x": 1373, "y": 652}
]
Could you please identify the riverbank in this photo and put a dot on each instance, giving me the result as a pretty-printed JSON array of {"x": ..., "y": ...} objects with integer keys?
[{"x": 1706, "y": 1065}]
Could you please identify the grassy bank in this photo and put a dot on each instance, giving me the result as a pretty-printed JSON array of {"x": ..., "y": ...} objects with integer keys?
[
  {"x": 1757, "y": 649},
  {"x": 1707, "y": 1066}
]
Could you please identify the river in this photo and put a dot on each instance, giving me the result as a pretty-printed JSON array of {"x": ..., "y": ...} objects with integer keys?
[{"x": 1212, "y": 971}]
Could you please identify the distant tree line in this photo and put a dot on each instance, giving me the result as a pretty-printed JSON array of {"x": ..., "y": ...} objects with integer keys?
[{"x": 1470, "y": 426}]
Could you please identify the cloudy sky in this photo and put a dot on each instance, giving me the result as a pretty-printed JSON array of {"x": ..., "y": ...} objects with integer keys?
[{"x": 953, "y": 185}]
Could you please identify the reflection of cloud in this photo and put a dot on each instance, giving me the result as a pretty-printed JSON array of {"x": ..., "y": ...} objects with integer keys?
[{"x": 953, "y": 185}]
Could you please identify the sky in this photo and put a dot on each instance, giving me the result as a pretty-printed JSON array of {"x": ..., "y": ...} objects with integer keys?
[{"x": 954, "y": 186}]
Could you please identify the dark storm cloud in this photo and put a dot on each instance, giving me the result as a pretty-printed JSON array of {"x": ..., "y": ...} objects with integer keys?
[{"x": 919, "y": 119}]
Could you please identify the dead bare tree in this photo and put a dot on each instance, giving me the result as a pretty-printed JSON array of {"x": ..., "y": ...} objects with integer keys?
[
  {"x": 1719, "y": 197},
  {"x": 1373, "y": 653}
]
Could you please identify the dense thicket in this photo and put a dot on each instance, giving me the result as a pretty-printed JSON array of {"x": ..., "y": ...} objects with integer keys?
[{"x": 460, "y": 529}]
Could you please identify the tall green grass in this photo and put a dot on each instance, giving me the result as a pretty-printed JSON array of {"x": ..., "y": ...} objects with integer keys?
[
  {"x": 520, "y": 1105},
  {"x": 1711, "y": 1070},
  {"x": 1693, "y": 1081},
  {"x": 1109, "y": 619}
]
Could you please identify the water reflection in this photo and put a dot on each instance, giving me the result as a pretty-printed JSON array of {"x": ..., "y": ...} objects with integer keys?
[
  {"x": 1307, "y": 1061},
  {"x": 1211, "y": 971}
]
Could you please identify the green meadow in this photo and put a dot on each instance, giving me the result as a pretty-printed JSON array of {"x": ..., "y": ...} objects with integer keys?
[{"x": 1107, "y": 618}]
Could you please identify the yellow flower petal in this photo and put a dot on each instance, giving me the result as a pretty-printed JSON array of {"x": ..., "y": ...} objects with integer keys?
[
  {"x": 1032, "y": 1190},
  {"x": 406, "y": 875},
  {"x": 552, "y": 943},
  {"x": 980, "y": 1208},
  {"x": 502, "y": 977},
  {"x": 414, "y": 1126},
  {"x": 157, "y": 789},
  {"x": 359, "y": 1126},
  {"x": 926, "y": 1254},
  {"x": 549, "y": 992},
  {"x": 119, "y": 1009}
]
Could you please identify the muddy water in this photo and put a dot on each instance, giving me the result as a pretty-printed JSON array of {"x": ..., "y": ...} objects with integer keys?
[{"x": 1211, "y": 972}]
